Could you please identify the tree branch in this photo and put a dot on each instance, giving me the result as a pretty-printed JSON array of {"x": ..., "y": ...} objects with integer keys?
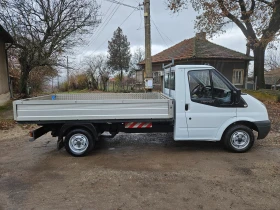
[
  {"x": 245, "y": 16},
  {"x": 273, "y": 26},
  {"x": 271, "y": 4},
  {"x": 233, "y": 18}
]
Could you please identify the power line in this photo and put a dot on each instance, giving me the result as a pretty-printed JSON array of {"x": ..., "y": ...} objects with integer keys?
[
  {"x": 141, "y": 20},
  {"x": 121, "y": 3},
  {"x": 163, "y": 38},
  {"x": 160, "y": 33},
  {"x": 98, "y": 29},
  {"x": 109, "y": 36},
  {"x": 101, "y": 30},
  {"x": 95, "y": 30},
  {"x": 105, "y": 23}
]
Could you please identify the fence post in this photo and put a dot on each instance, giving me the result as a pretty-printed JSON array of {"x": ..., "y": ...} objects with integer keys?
[{"x": 256, "y": 80}]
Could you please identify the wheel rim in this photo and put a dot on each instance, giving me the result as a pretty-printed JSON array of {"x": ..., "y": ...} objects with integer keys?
[
  {"x": 78, "y": 143},
  {"x": 240, "y": 139}
]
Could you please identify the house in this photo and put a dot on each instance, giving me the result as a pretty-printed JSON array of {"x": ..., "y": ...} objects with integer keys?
[
  {"x": 198, "y": 50},
  {"x": 5, "y": 37},
  {"x": 272, "y": 79}
]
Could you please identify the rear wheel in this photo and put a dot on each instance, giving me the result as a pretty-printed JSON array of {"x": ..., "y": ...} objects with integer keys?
[
  {"x": 79, "y": 142},
  {"x": 239, "y": 138}
]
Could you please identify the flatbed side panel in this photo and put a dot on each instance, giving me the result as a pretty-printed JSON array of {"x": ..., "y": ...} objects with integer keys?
[
  {"x": 47, "y": 110},
  {"x": 104, "y": 121}
]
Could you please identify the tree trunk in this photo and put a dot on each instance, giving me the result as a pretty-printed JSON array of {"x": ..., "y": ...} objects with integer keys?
[
  {"x": 259, "y": 55},
  {"x": 23, "y": 82}
]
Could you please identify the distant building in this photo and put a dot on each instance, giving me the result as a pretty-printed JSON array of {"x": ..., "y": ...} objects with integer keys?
[
  {"x": 5, "y": 37},
  {"x": 272, "y": 79},
  {"x": 198, "y": 50}
]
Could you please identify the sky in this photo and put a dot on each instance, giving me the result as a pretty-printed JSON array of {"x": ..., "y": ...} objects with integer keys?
[{"x": 173, "y": 28}]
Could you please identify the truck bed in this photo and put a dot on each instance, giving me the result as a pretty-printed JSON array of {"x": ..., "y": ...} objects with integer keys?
[{"x": 94, "y": 107}]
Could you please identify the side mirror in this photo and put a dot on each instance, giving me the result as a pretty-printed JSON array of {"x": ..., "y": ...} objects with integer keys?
[{"x": 236, "y": 96}]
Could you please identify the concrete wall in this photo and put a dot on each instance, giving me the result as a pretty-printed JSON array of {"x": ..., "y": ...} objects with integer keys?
[{"x": 4, "y": 88}]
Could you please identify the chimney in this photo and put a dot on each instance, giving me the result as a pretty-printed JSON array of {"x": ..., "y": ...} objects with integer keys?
[{"x": 201, "y": 35}]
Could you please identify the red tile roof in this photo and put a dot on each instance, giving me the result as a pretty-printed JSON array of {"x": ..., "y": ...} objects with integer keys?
[{"x": 197, "y": 48}]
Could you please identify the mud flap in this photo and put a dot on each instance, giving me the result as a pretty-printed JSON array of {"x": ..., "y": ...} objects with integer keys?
[
  {"x": 35, "y": 134},
  {"x": 59, "y": 144}
]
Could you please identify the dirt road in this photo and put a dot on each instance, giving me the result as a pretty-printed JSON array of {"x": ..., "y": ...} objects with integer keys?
[{"x": 137, "y": 171}]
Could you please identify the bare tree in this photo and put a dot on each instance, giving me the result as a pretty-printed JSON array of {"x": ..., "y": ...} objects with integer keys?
[
  {"x": 96, "y": 67},
  {"x": 272, "y": 61},
  {"x": 137, "y": 56},
  {"x": 44, "y": 29},
  {"x": 3, "y": 3},
  {"x": 103, "y": 69},
  {"x": 91, "y": 71}
]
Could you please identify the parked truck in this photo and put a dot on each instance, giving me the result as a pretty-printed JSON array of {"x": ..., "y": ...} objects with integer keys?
[{"x": 197, "y": 103}]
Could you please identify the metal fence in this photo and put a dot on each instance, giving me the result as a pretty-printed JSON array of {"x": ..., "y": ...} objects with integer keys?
[{"x": 113, "y": 86}]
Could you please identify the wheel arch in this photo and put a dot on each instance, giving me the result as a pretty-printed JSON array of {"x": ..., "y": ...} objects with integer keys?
[
  {"x": 66, "y": 128},
  {"x": 246, "y": 123}
]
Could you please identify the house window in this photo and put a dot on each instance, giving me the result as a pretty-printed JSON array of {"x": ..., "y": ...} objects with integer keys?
[
  {"x": 156, "y": 77},
  {"x": 237, "y": 78}
]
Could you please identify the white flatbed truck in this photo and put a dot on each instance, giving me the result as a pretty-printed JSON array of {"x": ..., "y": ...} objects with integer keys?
[{"x": 197, "y": 103}]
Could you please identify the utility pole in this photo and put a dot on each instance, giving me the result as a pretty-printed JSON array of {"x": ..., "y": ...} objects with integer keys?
[
  {"x": 148, "y": 59},
  {"x": 58, "y": 82}
]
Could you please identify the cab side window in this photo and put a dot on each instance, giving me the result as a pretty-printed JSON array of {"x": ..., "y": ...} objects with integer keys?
[
  {"x": 207, "y": 87},
  {"x": 169, "y": 80}
]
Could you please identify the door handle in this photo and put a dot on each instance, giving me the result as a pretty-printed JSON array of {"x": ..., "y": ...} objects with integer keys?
[{"x": 186, "y": 107}]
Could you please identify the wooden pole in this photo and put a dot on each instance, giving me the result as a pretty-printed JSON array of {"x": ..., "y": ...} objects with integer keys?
[{"x": 148, "y": 59}]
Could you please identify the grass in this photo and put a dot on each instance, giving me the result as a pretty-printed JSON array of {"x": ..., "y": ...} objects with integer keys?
[
  {"x": 6, "y": 110},
  {"x": 265, "y": 94},
  {"x": 6, "y": 107}
]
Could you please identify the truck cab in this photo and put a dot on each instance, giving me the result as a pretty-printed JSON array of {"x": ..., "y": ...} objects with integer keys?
[{"x": 208, "y": 107}]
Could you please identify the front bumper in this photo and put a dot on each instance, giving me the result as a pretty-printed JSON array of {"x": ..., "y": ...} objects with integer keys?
[{"x": 263, "y": 128}]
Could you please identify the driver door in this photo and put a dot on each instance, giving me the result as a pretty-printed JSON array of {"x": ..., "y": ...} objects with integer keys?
[{"x": 206, "y": 112}]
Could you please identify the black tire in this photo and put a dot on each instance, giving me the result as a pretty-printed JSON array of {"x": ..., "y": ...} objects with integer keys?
[
  {"x": 79, "y": 142},
  {"x": 238, "y": 138}
]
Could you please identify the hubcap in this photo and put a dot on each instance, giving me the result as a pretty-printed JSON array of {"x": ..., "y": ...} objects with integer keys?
[
  {"x": 78, "y": 143},
  {"x": 240, "y": 139}
]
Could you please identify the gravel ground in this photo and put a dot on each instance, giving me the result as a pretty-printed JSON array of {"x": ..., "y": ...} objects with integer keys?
[{"x": 137, "y": 171}]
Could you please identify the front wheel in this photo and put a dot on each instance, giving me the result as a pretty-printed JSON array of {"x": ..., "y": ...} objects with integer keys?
[
  {"x": 239, "y": 138},
  {"x": 79, "y": 142}
]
